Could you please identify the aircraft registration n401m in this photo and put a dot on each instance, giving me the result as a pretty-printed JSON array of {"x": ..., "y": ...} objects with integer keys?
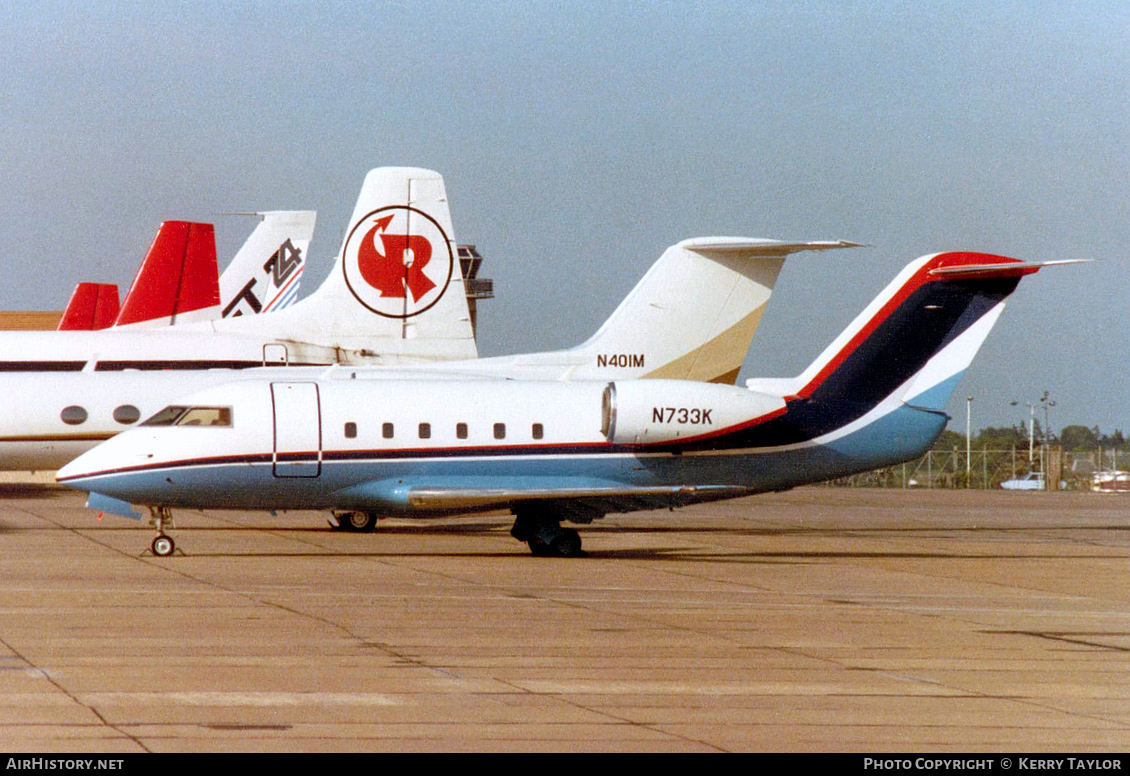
[{"x": 553, "y": 451}]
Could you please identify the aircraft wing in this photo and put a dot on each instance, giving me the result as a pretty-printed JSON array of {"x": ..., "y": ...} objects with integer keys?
[
  {"x": 468, "y": 498},
  {"x": 456, "y": 494}
]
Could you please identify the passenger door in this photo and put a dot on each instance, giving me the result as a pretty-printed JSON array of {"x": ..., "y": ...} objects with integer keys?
[{"x": 298, "y": 430}]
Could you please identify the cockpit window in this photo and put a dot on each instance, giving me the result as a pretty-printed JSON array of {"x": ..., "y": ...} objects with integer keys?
[
  {"x": 166, "y": 417},
  {"x": 206, "y": 416},
  {"x": 191, "y": 416}
]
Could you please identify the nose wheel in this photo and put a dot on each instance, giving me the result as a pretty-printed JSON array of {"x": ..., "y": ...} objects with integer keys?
[
  {"x": 161, "y": 518},
  {"x": 163, "y": 546}
]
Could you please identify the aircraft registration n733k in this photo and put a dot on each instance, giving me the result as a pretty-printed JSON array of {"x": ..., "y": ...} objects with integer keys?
[{"x": 553, "y": 451}]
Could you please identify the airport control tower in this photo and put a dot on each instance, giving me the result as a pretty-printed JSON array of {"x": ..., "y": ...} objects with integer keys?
[{"x": 477, "y": 288}]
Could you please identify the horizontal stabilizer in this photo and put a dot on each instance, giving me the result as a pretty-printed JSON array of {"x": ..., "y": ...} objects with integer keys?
[
  {"x": 908, "y": 348},
  {"x": 745, "y": 247},
  {"x": 1015, "y": 269}
]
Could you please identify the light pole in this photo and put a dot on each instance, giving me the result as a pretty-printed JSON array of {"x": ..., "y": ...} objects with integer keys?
[
  {"x": 1047, "y": 423},
  {"x": 1031, "y": 428},
  {"x": 1046, "y": 403},
  {"x": 968, "y": 441}
]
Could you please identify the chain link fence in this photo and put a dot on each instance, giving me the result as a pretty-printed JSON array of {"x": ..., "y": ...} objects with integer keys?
[{"x": 987, "y": 469}]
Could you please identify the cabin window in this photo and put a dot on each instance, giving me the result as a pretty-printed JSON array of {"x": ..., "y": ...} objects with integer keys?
[
  {"x": 350, "y": 430},
  {"x": 500, "y": 431},
  {"x": 73, "y": 415},
  {"x": 461, "y": 430},
  {"x": 206, "y": 416},
  {"x": 425, "y": 431},
  {"x": 537, "y": 431},
  {"x": 386, "y": 430},
  {"x": 126, "y": 414}
]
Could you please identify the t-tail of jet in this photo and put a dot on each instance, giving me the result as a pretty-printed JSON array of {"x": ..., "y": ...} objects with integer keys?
[
  {"x": 691, "y": 317},
  {"x": 396, "y": 289},
  {"x": 876, "y": 395},
  {"x": 266, "y": 272},
  {"x": 92, "y": 306}
]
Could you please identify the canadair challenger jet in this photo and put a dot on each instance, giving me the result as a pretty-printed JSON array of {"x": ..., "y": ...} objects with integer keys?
[{"x": 553, "y": 451}]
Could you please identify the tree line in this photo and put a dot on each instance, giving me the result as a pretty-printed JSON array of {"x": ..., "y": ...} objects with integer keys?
[{"x": 1076, "y": 439}]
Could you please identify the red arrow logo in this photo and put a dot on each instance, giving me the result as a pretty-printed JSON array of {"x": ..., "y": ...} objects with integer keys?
[{"x": 400, "y": 269}]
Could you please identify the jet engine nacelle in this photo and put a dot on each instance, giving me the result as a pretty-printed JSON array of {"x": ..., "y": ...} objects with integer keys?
[{"x": 656, "y": 411}]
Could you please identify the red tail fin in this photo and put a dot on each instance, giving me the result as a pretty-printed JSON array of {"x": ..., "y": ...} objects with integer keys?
[
  {"x": 178, "y": 275},
  {"x": 92, "y": 306}
]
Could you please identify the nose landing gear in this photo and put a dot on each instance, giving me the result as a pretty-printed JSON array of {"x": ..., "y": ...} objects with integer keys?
[{"x": 161, "y": 518}]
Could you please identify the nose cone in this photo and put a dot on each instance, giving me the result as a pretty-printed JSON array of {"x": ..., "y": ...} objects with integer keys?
[
  {"x": 80, "y": 470},
  {"x": 103, "y": 468}
]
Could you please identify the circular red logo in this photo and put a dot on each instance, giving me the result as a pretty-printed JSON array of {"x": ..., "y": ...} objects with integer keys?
[{"x": 397, "y": 261}]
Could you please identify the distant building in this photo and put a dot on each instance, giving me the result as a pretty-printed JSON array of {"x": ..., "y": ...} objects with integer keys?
[
  {"x": 30, "y": 320},
  {"x": 477, "y": 288}
]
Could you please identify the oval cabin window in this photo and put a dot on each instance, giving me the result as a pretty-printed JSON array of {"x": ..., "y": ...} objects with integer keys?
[
  {"x": 73, "y": 415},
  {"x": 126, "y": 414}
]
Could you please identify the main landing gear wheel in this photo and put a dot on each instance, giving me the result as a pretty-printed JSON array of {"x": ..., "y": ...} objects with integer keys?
[
  {"x": 357, "y": 522},
  {"x": 545, "y": 536},
  {"x": 566, "y": 545},
  {"x": 163, "y": 546}
]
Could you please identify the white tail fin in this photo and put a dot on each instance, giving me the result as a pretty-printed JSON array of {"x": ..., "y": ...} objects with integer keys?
[
  {"x": 691, "y": 317},
  {"x": 265, "y": 274},
  {"x": 396, "y": 289}
]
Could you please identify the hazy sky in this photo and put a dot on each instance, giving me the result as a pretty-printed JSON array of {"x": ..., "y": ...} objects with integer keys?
[{"x": 578, "y": 140}]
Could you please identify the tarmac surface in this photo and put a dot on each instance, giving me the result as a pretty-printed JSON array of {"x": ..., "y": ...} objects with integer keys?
[{"x": 822, "y": 619}]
